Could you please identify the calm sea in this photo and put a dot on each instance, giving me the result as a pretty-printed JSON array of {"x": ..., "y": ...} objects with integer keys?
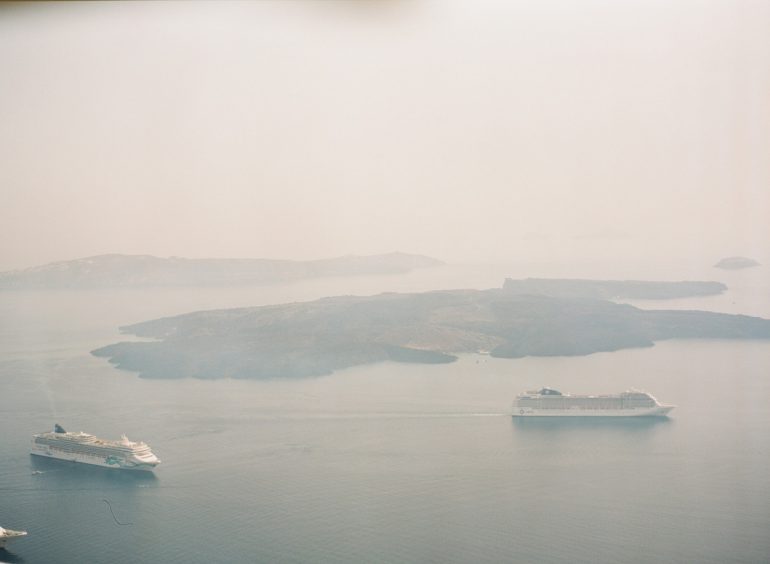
[{"x": 388, "y": 462}]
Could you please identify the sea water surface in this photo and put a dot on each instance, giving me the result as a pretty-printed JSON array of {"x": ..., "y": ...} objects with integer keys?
[{"x": 387, "y": 462}]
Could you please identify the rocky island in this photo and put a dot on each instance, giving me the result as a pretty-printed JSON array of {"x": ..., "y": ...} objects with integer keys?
[{"x": 318, "y": 337}]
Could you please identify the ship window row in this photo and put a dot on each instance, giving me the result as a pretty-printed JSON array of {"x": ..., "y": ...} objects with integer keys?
[
  {"x": 604, "y": 403},
  {"x": 607, "y": 403},
  {"x": 87, "y": 452},
  {"x": 71, "y": 439},
  {"x": 84, "y": 449},
  {"x": 90, "y": 446}
]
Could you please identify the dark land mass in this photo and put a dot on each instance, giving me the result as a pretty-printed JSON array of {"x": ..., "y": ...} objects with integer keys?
[
  {"x": 108, "y": 271},
  {"x": 316, "y": 338},
  {"x": 735, "y": 263},
  {"x": 612, "y": 289}
]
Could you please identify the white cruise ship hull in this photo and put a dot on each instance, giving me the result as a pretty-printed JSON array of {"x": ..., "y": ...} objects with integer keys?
[
  {"x": 92, "y": 459},
  {"x": 7, "y": 535},
  {"x": 657, "y": 411}
]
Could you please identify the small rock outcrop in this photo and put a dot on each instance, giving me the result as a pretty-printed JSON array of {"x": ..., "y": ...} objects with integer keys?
[{"x": 736, "y": 263}]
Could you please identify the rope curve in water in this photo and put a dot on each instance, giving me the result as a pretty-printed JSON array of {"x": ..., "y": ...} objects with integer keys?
[{"x": 113, "y": 514}]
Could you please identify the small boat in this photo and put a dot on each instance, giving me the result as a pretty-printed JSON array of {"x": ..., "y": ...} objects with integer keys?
[{"x": 7, "y": 535}]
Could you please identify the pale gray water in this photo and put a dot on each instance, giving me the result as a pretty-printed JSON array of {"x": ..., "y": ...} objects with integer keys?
[{"x": 384, "y": 463}]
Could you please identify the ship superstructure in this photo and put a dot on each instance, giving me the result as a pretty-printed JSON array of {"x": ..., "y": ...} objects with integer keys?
[
  {"x": 87, "y": 449},
  {"x": 548, "y": 402}
]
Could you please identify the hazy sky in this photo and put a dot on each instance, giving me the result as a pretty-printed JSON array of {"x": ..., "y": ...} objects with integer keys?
[{"x": 474, "y": 130}]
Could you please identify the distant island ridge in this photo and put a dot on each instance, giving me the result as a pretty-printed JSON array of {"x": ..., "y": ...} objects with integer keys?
[
  {"x": 315, "y": 338},
  {"x": 116, "y": 270},
  {"x": 612, "y": 289}
]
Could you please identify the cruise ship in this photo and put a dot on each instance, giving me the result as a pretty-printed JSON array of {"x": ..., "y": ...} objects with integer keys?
[
  {"x": 548, "y": 402},
  {"x": 85, "y": 448}
]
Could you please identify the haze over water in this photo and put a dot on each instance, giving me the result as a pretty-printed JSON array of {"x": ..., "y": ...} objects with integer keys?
[
  {"x": 388, "y": 462},
  {"x": 545, "y": 130}
]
